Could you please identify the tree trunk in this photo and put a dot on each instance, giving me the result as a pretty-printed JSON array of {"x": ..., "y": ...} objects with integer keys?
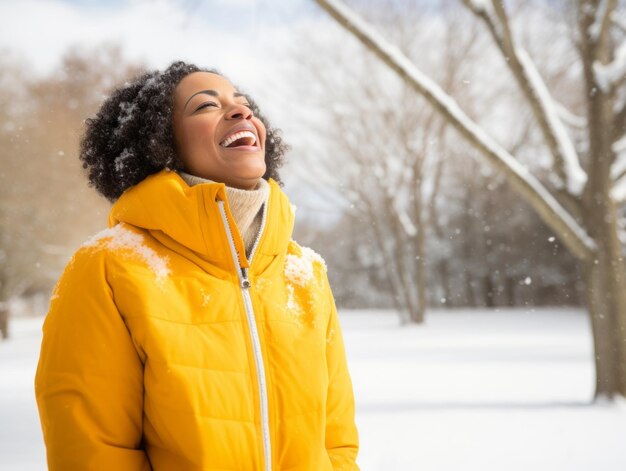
[
  {"x": 419, "y": 242},
  {"x": 444, "y": 277},
  {"x": 469, "y": 289},
  {"x": 488, "y": 293},
  {"x": 606, "y": 284},
  {"x": 509, "y": 291},
  {"x": 4, "y": 321},
  {"x": 419, "y": 312},
  {"x": 606, "y": 300}
]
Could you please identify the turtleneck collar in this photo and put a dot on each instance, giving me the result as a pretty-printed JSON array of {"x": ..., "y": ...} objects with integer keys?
[{"x": 245, "y": 205}]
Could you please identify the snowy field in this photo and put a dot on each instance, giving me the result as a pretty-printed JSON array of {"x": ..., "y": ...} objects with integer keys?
[{"x": 470, "y": 390}]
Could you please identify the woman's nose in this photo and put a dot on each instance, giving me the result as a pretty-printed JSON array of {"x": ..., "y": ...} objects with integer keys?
[{"x": 239, "y": 111}]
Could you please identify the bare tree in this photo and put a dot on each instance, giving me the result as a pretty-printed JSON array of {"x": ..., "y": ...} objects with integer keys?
[
  {"x": 384, "y": 135},
  {"x": 15, "y": 238},
  {"x": 582, "y": 208},
  {"x": 46, "y": 207},
  {"x": 376, "y": 187}
]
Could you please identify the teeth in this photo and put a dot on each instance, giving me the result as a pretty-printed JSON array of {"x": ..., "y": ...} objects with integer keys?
[{"x": 238, "y": 135}]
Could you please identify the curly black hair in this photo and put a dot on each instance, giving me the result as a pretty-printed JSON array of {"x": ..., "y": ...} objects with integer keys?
[{"x": 132, "y": 137}]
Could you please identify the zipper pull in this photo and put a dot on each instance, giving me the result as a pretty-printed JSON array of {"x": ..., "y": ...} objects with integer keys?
[{"x": 245, "y": 282}]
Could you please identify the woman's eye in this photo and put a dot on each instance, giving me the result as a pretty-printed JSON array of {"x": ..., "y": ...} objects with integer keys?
[
  {"x": 210, "y": 103},
  {"x": 204, "y": 105}
]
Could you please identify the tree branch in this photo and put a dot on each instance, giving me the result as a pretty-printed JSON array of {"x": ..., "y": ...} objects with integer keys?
[
  {"x": 600, "y": 27},
  {"x": 555, "y": 216},
  {"x": 566, "y": 160},
  {"x": 618, "y": 20},
  {"x": 569, "y": 118}
]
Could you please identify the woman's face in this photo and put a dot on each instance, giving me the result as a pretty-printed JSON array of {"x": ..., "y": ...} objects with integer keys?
[{"x": 217, "y": 137}]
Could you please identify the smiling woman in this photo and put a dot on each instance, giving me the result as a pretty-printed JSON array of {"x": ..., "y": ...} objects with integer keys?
[
  {"x": 193, "y": 333},
  {"x": 132, "y": 135},
  {"x": 216, "y": 132}
]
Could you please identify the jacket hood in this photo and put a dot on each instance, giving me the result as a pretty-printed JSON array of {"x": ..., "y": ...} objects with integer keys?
[{"x": 188, "y": 221}]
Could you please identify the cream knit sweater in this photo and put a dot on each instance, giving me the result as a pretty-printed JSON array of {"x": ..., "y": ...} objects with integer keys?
[{"x": 245, "y": 206}]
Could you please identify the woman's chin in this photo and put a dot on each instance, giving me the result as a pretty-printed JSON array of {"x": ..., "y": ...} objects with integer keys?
[
  {"x": 249, "y": 179},
  {"x": 254, "y": 170}
]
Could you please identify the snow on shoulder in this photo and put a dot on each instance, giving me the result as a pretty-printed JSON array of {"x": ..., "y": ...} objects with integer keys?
[
  {"x": 300, "y": 264},
  {"x": 304, "y": 281},
  {"x": 120, "y": 237}
]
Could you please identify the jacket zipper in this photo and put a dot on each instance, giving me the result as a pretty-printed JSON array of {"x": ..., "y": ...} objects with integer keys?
[{"x": 244, "y": 284}]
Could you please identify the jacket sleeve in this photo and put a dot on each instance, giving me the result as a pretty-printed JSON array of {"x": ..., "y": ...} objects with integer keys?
[
  {"x": 89, "y": 379},
  {"x": 342, "y": 441}
]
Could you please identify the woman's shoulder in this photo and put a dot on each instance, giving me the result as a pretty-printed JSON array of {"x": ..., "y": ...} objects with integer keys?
[
  {"x": 294, "y": 249},
  {"x": 122, "y": 244},
  {"x": 102, "y": 258}
]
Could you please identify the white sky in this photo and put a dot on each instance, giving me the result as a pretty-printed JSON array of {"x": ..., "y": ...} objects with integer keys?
[
  {"x": 231, "y": 35},
  {"x": 247, "y": 40}
]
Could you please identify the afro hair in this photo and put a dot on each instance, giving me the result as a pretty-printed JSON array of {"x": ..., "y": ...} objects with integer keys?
[{"x": 131, "y": 136}]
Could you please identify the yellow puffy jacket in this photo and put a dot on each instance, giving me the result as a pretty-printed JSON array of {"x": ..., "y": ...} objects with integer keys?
[{"x": 165, "y": 348}]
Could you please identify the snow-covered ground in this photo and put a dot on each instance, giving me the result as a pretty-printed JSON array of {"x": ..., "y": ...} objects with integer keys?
[{"x": 469, "y": 390}]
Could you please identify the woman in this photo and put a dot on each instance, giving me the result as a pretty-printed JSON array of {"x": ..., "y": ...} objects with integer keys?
[{"x": 193, "y": 333}]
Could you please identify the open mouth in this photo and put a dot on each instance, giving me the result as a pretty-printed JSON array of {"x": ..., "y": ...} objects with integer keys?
[{"x": 241, "y": 138}]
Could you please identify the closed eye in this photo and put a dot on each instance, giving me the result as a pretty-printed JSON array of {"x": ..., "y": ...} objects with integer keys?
[
  {"x": 204, "y": 105},
  {"x": 210, "y": 103}
]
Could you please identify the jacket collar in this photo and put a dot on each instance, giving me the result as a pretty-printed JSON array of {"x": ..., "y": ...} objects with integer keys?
[{"x": 188, "y": 221}]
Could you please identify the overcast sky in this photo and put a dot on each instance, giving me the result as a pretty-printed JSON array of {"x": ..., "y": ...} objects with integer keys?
[
  {"x": 238, "y": 37},
  {"x": 247, "y": 40}
]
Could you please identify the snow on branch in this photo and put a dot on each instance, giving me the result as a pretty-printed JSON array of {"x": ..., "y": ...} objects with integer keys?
[
  {"x": 609, "y": 76},
  {"x": 620, "y": 146},
  {"x": 531, "y": 189},
  {"x": 543, "y": 106},
  {"x": 569, "y": 118},
  {"x": 481, "y": 6},
  {"x": 408, "y": 226},
  {"x": 618, "y": 171},
  {"x": 602, "y": 15},
  {"x": 576, "y": 176},
  {"x": 618, "y": 192}
]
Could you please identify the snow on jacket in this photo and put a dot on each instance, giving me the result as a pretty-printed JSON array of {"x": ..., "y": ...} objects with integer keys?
[{"x": 165, "y": 348}]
